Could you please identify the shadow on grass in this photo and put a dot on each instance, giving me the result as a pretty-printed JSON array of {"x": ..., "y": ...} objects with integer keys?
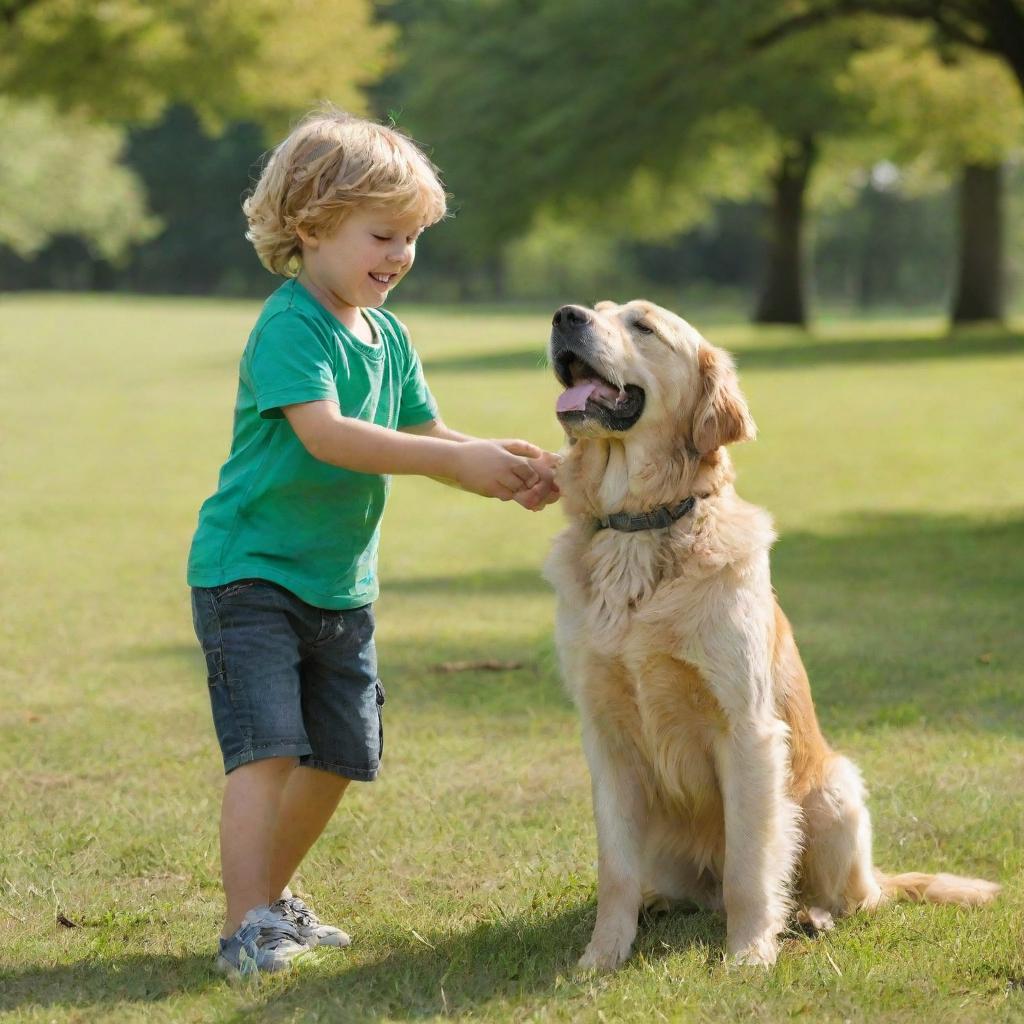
[
  {"x": 532, "y": 358},
  {"x": 500, "y": 581},
  {"x": 900, "y": 619},
  {"x": 509, "y": 959},
  {"x": 909, "y": 619},
  {"x": 506, "y": 958},
  {"x": 800, "y": 352},
  {"x": 816, "y": 352},
  {"x": 141, "y": 978}
]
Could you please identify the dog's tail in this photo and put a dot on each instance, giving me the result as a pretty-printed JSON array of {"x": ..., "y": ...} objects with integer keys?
[{"x": 942, "y": 888}]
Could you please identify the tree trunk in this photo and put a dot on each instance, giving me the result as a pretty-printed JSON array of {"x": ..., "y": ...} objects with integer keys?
[
  {"x": 782, "y": 296},
  {"x": 979, "y": 291},
  {"x": 1004, "y": 20}
]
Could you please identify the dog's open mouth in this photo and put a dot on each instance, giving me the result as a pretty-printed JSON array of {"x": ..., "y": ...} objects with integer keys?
[{"x": 589, "y": 395}]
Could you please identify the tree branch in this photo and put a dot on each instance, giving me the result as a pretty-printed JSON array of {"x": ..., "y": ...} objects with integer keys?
[
  {"x": 12, "y": 9},
  {"x": 913, "y": 11}
]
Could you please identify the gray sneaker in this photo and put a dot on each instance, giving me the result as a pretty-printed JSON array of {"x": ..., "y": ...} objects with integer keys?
[
  {"x": 313, "y": 931},
  {"x": 266, "y": 941}
]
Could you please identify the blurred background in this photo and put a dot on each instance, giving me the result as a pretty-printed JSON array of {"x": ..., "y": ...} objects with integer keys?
[{"x": 778, "y": 160}]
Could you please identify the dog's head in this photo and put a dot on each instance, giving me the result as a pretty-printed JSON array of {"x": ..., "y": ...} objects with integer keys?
[{"x": 637, "y": 369}]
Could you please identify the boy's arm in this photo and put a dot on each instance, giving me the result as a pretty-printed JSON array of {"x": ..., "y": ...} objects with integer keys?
[
  {"x": 483, "y": 467},
  {"x": 436, "y": 428},
  {"x": 544, "y": 492}
]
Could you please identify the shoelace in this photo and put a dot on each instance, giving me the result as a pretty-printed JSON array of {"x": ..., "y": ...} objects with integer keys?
[
  {"x": 275, "y": 930},
  {"x": 301, "y": 912}
]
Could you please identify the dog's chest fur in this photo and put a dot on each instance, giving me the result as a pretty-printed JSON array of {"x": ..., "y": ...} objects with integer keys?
[{"x": 630, "y": 605}]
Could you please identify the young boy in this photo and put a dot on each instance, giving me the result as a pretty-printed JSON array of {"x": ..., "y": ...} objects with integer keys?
[{"x": 331, "y": 401}]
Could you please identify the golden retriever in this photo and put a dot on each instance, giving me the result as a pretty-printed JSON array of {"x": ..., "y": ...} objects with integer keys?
[{"x": 712, "y": 782}]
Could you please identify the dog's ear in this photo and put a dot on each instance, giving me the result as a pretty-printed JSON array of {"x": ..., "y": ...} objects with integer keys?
[{"x": 721, "y": 416}]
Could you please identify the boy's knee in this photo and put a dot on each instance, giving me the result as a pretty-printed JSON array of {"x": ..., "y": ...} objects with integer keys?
[{"x": 267, "y": 767}]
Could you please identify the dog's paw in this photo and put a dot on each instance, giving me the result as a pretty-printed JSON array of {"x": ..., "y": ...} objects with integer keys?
[
  {"x": 762, "y": 952},
  {"x": 604, "y": 954},
  {"x": 815, "y": 919},
  {"x": 654, "y": 906}
]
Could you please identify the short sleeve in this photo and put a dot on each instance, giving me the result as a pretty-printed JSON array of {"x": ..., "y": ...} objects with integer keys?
[
  {"x": 290, "y": 362},
  {"x": 418, "y": 404}
]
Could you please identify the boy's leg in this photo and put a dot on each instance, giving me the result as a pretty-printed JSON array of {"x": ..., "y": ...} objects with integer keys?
[
  {"x": 341, "y": 698},
  {"x": 310, "y": 798},
  {"x": 249, "y": 819}
]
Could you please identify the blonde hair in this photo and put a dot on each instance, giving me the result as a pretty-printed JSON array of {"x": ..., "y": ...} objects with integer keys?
[{"x": 331, "y": 163}]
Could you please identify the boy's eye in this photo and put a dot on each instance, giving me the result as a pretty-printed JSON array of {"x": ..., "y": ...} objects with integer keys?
[{"x": 383, "y": 238}]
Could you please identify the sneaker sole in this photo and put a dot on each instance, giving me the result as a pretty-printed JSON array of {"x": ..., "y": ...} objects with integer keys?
[{"x": 229, "y": 970}]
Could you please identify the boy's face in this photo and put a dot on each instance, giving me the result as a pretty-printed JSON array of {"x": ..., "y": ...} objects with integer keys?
[{"x": 364, "y": 258}]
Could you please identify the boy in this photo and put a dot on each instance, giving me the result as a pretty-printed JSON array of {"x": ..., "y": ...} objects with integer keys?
[{"x": 331, "y": 401}]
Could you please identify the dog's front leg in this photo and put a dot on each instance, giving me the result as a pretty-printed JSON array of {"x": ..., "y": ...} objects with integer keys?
[
  {"x": 620, "y": 812},
  {"x": 761, "y": 837}
]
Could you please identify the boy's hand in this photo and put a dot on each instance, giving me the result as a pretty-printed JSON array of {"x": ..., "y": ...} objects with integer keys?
[
  {"x": 496, "y": 469},
  {"x": 545, "y": 492}
]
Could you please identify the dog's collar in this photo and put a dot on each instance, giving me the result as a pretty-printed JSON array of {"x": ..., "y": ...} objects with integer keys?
[{"x": 657, "y": 519}]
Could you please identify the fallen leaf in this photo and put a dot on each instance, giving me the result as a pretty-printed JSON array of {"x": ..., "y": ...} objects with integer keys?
[
  {"x": 62, "y": 920},
  {"x": 985, "y": 659},
  {"x": 484, "y": 665}
]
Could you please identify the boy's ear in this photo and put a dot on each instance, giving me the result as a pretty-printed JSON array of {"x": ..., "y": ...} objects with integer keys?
[
  {"x": 721, "y": 415},
  {"x": 306, "y": 237}
]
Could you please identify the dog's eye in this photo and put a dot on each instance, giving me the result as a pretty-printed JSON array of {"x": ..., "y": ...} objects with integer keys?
[{"x": 643, "y": 328}]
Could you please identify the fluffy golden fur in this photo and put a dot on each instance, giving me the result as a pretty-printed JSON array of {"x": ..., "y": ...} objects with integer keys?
[{"x": 712, "y": 782}]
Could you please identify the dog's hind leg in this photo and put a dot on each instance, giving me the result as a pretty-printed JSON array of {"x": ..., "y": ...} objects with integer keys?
[
  {"x": 621, "y": 814},
  {"x": 837, "y": 871}
]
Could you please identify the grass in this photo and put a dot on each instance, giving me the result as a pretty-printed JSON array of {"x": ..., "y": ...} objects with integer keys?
[{"x": 891, "y": 459}]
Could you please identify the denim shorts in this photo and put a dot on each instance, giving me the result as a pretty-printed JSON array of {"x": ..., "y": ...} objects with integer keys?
[{"x": 287, "y": 679}]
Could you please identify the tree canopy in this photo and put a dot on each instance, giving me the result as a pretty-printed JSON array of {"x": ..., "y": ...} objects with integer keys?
[{"x": 125, "y": 61}]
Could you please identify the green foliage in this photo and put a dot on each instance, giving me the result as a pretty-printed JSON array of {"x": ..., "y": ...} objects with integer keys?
[
  {"x": 60, "y": 174},
  {"x": 644, "y": 112},
  {"x": 526, "y": 104},
  {"x": 202, "y": 249},
  {"x": 66, "y": 63},
  {"x": 252, "y": 59},
  {"x": 937, "y": 109}
]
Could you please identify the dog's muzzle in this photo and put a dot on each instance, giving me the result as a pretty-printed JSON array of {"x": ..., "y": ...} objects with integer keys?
[{"x": 589, "y": 396}]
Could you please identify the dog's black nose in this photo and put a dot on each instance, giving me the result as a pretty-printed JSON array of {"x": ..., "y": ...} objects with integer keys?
[{"x": 571, "y": 316}]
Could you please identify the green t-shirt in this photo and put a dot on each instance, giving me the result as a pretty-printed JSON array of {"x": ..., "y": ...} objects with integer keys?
[{"x": 278, "y": 513}]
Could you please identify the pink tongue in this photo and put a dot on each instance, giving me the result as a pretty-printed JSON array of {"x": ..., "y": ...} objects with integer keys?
[{"x": 575, "y": 398}]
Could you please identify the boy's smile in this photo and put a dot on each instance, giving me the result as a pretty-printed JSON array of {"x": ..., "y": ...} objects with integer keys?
[{"x": 360, "y": 262}]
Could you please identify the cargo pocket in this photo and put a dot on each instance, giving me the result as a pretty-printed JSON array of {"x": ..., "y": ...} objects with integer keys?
[{"x": 380, "y": 719}]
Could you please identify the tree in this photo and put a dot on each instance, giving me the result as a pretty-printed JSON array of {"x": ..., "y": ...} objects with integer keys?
[
  {"x": 60, "y": 174},
  {"x": 993, "y": 27},
  {"x": 69, "y": 64},
  {"x": 644, "y": 113},
  {"x": 990, "y": 26},
  {"x": 952, "y": 114},
  {"x": 227, "y": 59}
]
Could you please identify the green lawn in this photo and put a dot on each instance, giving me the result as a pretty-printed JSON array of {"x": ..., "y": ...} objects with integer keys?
[{"x": 893, "y": 460}]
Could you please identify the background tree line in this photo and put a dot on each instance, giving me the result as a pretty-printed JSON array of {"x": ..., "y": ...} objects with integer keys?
[{"x": 687, "y": 150}]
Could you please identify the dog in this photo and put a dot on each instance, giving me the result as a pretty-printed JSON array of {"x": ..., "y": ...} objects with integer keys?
[{"x": 712, "y": 782}]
